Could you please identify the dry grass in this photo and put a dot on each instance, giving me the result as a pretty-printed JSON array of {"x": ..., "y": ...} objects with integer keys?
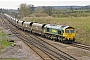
[{"x": 81, "y": 24}]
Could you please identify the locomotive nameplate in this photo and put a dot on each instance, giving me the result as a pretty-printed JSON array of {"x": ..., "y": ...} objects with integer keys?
[{"x": 54, "y": 31}]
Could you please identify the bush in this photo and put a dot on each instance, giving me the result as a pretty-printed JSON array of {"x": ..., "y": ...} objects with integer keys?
[
  {"x": 80, "y": 14},
  {"x": 39, "y": 15}
]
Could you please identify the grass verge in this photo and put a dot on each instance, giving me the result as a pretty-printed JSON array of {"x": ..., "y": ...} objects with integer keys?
[
  {"x": 3, "y": 40},
  {"x": 9, "y": 59}
]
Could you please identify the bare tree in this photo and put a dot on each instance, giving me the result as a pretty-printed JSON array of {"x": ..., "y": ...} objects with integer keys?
[
  {"x": 25, "y": 10},
  {"x": 40, "y": 9},
  {"x": 48, "y": 10},
  {"x": 71, "y": 8}
]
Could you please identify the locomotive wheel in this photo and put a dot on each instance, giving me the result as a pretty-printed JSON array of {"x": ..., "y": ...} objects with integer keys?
[
  {"x": 62, "y": 40},
  {"x": 51, "y": 37}
]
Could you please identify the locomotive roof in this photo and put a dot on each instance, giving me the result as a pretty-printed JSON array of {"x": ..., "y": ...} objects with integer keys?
[{"x": 56, "y": 26}]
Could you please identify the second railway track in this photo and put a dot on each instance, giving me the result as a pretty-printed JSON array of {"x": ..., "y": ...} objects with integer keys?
[{"x": 81, "y": 46}]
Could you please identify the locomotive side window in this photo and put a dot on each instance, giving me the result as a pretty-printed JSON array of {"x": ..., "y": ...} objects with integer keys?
[
  {"x": 62, "y": 31},
  {"x": 47, "y": 29},
  {"x": 59, "y": 32}
]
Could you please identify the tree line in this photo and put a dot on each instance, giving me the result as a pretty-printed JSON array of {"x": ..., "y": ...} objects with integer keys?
[{"x": 29, "y": 10}]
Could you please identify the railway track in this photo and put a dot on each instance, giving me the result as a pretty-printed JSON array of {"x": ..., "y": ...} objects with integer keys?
[
  {"x": 80, "y": 45},
  {"x": 52, "y": 53}
]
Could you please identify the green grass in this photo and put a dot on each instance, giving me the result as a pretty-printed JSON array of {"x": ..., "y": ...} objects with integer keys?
[
  {"x": 9, "y": 59},
  {"x": 81, "y": 24},
  {"x": 3, "y": 40}
]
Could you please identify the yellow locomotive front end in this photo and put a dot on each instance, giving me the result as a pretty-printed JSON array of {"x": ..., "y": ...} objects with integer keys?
[{"x": 69, "y": 34}]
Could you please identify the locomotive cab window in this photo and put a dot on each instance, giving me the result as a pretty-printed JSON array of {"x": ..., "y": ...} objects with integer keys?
[
  {"x": 67, "y": 31},
  {"x": 71, "y": 31},
  {"x": 47, "y": 29}
]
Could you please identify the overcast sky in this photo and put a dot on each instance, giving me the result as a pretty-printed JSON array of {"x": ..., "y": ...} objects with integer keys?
[{"x": 9, "y": 4}]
